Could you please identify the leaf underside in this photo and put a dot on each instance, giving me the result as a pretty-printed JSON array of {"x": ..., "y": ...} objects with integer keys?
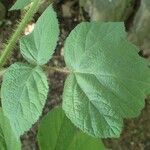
[
  {"x": 24, "y": 88},
  {"x": 108, "y": 80},
  {"x": 38, "y": 47},
  {"x": 24, "y": 92}
]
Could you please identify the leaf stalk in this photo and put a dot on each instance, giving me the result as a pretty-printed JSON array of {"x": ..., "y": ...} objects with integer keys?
[{"x": 57, "y": 69}]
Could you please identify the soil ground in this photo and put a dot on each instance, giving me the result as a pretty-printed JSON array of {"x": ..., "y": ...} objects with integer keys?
[{"x": 136, "y": 132}]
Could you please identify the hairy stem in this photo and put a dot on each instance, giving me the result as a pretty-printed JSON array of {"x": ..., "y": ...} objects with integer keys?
[
  {"x": 56, "y": 69},
  {"x": 11, "y": 43}
]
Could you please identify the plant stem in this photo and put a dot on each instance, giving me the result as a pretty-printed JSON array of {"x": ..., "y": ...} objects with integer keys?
[
  {"x": 46, "y": 68},
  {"x": 57, "y": 69},
  {"x": 11, "y": 43}
]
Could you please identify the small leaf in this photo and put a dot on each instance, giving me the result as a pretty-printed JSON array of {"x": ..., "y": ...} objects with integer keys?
[
  {"x": 108, "y": 80},
  {"x": 7, "y": 138},
  {"x": 38, "y": 47},
  {"x": 56, "y": 132},
  {"x": 20, "y": 4},
  {"x": 24, "y": 92}
]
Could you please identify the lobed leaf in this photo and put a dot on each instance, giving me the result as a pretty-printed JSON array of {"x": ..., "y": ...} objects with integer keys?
[
  {"x": 20, "y": 4},
  {"x": 38, "y": 47},
  {"x": 56, "y": 132},
  {"x": 108, "y": 80},
  {"x": 7, "y": 138},
  {"x": 24, "y": 92}
]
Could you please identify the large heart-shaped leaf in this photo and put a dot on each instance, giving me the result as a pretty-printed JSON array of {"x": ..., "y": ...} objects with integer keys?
[
  {"x": 56, "y": 132},
  {"x": 7, "y": 137},
  {"x": 108, "y": 80},
  {"x": 24, "y": 92},
  {"x": 38, "y": 47}
]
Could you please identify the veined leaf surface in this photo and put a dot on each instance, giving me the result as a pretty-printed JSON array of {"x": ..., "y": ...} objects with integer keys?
[
  {"x": 38, "y": 47},
  {"x": 108, "y": 80},
  {"x": 24, "y": 92}
]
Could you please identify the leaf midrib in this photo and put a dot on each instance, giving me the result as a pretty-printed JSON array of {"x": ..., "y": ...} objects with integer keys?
[{"x": 102, "y": 114}]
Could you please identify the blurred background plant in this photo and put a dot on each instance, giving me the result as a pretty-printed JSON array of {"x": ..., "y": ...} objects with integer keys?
[
  {"x": 2, "y": 12},
  {"x": 108, "y": 10},
  {"x": 140, "y": 31},
  {"x": 135, "y": 14}
]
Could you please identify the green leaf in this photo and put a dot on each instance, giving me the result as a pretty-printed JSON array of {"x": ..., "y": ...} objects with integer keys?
[
  {"x": 24, "y": 92},
  {"x": 7, "y": 138},
  {"x": 38, "y": 47},
  {"x": 108, "y": 10},
  {"x": 108, "y": 80},
  {"x": 20, "y": 4},
  {"x": 56, "y": 132}
]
